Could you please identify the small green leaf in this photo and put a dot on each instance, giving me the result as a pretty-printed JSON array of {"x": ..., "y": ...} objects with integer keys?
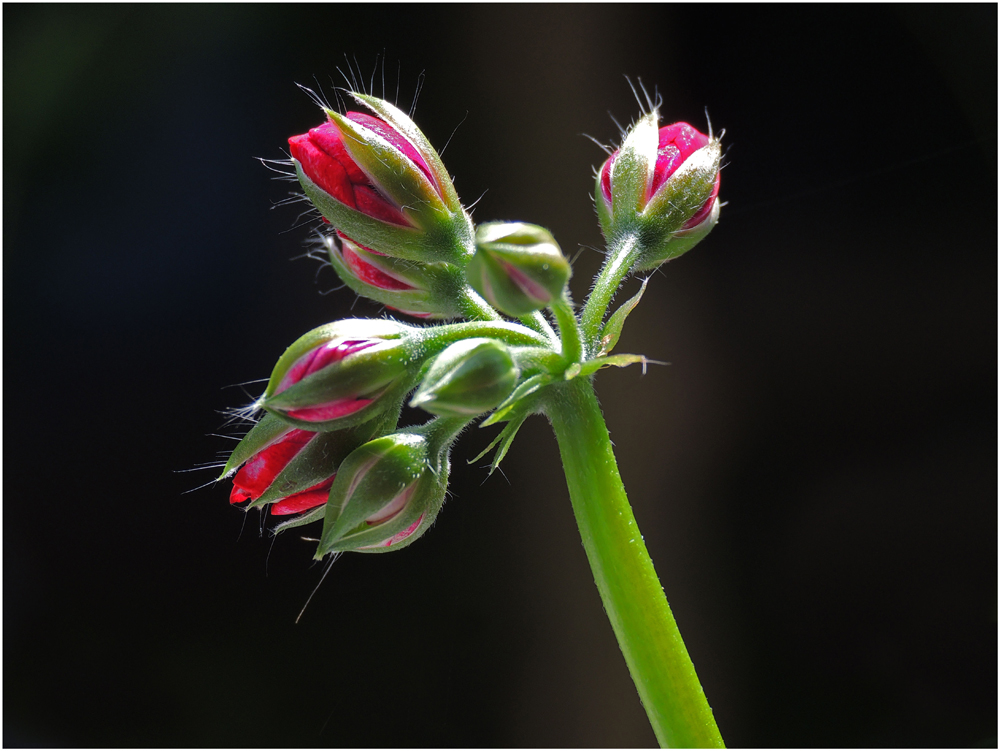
[
  {"x": 613, "y": 328},
  {"x": 529, "y": 386},
  {"x": 619, "y": 361},
  {"x": 506, "y": 435}
]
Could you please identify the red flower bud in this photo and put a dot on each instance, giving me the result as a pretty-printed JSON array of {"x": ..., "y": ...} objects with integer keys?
[
  {"x": 339, "y": 375},
  {"x": 405, "y": 286},
  {"x": 367, "y": 272},
  {"x": 326, "y": 161},
  {"x": 260, "y": 471},
  {"x": 677, "y": 142},
  {"x": 316, "y": 360}
]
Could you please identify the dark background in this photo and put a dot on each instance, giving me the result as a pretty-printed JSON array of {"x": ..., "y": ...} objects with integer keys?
[{"x": 814, "y": 473}]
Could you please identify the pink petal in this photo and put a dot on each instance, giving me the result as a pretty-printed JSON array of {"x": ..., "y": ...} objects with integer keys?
[
  {"x": 368, "y": 273},
  {"x": 331, "y": 411},
  {"x": 307, "y": 499}
]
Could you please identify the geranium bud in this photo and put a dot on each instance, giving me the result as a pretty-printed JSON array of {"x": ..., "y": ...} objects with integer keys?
[
  {"x": 325, "y": 160},
  {"x": 517, "y": 267},
  {"x": 379, "y": 181},
  {"x": 385, "y": 496},
  {"x": 661, "y": 187},
  {"x": 289, "y": 468},
  {"x": 260, "y": 472},
  {"x": 340, "y": 374},
  {"x": 470, "y": 377},
  {"x": 423, "y": 290}
]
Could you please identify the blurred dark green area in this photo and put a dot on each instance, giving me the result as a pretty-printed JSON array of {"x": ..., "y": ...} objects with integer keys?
[{"x": 815, "y": 472}]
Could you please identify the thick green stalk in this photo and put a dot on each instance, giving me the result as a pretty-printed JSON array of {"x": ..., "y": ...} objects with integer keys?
[{"x": 624, "y": 573}]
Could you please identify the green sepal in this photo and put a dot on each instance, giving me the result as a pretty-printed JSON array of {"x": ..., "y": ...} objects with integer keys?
[
  {"x": 310, "y": 516},
  {"x": 364, "y": 535},
  {"x": 433, "y": 497},
  {"x": 361, "y": 374},
  {"x": 352, "y": 328},
  {"x": 632, "y": 170},
  {"x": 686, "y": 190},
  {"x": 408, "y": 129},
  {"x": 528, "y": 387},
  {"x": 450, "y": 242},
  {"x": 382, "y": 402},
  {"x": 267, "y": 430},
  {"x": 612, "y": 330},
  {"x": 392, "y": 171},
  {"x": 676, "y": 244}
]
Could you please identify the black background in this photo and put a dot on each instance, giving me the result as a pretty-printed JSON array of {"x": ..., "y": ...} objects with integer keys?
[{"x": 814, "y": 472}]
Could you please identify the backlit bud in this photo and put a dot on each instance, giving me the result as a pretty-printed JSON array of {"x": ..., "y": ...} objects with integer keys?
[
  {"x": 379, "y": 181},
  {"x": 289, "y": 468},
  {"x": 518, "y": 267},
  {"x": 385, "y": 496},
  {"x": 424, "y": 290},
  {"x": 470, "y": 377},
  {"x": 260, "y": 472},
  {"x": 340, "y": 374},
  {"x": 662, "y": 186}
]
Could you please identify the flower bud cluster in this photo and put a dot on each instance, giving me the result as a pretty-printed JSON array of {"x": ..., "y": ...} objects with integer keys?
[{"x": 329, "y": 447}]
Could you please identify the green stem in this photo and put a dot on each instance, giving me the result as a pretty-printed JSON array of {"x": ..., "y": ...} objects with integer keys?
[
  {"x": 625, "y": 577},
  {"x": 509, "y": 333},
  {"x": 474, "y": 307},
  {"x": 569, "y": 329},
  {"x": 536, "y": 322},
  {"x": 616, "y": 267}
]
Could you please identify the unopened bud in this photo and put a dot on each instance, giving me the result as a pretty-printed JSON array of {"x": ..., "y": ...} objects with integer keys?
[
  {"x": 384, "y": 497},
  {"x": 518, "y": 267},
  {"x": 423, "y": 290},
  {"x": 470, "y": 377},
  {"x": 340, "y": 374},
  {"x": 288, "y": 468},
  {"x": 662, "y": 186},
  {"x": 380, "y": 181}
]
